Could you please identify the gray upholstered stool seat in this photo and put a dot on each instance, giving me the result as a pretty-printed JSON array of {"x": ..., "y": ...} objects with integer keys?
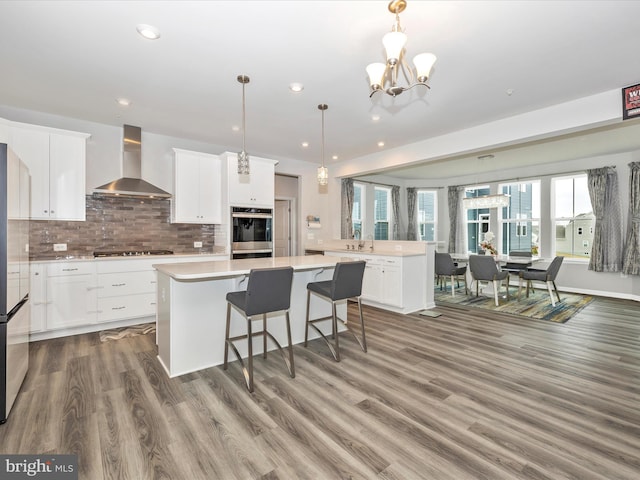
[
  {"x": 268, "y": 291},
  {"x": 346, "y": 284}
]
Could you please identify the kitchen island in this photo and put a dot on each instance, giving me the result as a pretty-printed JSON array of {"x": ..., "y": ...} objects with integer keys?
[{"x": 191, "y": 307}]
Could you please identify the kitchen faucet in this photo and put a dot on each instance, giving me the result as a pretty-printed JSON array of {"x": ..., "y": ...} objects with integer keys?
[
  {"x": 371, "y": 241},
  {"x": 357, "y": 234}
]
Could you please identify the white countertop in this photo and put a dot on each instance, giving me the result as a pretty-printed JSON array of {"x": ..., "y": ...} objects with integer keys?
[
  {"x": 231, "y": 268},
  {"x": 91, "y": 258},
  {"x": 366, "y": 251}
]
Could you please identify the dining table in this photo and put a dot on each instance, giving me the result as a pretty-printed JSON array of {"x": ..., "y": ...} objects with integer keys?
[{"x": 500, "y": 260}]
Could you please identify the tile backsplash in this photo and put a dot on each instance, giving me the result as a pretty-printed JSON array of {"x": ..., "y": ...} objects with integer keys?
[{"x": 119, "y": 223}]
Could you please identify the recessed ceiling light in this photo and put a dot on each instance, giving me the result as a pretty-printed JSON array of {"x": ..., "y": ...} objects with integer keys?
[
  {"x": 148, "y": 31},
  {"x": 334, "y": 157},
  {"x": 381, "y": 144},
  {"x": 123, "y": 101},
  {"x": 305, "y": 144},
  {"x": 235, "y": 128},
  {"x": 375, "y": 118},
  {"x": 296, "y": 87},
  {"x": 509, "y": 91}
]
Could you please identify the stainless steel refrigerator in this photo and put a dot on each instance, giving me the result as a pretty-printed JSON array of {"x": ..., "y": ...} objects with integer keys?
[{"x": 15, "y": 318}]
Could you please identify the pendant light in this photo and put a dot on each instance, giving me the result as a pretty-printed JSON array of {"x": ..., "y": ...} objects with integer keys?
[
  {"x": 243, "y": 156},
  {"x": 323, "y": 172}
]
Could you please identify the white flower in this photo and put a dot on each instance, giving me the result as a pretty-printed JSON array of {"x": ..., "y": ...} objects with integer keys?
[{"x": 488, "y": 237}]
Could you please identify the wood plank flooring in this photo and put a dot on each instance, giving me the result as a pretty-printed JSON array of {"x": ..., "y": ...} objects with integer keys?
[{"x": 467, "y": 395}]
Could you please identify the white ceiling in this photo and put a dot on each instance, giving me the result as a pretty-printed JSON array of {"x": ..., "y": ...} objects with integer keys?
[{"x": 75, "y": 58}]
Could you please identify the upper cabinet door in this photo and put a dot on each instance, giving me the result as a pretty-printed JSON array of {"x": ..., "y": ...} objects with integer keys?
[
  {"x": 67, "y": 176},
  {"x": 32, "y": 147},
  {"x": 255, "y": 189},
  {"x": 56, "y": 161},
  {"x": 197, "y": 194}
]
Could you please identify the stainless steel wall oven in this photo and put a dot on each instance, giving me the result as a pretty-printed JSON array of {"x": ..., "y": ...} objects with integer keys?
[{"x": 252, "y": 235}]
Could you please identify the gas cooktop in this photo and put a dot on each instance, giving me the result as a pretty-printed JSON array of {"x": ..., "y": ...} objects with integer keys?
[{"x": 131, "y": 253}]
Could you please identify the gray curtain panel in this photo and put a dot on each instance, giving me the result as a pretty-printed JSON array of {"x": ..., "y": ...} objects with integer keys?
[
  {"x": 456, "y": 220},
  {"x": 631, "y": 257},
  {"x": 606, "y": 252},
  {"x": 412, "y": 213},
  {"x": 346, "y": 227},
  {"x": 395, "y": 206}
]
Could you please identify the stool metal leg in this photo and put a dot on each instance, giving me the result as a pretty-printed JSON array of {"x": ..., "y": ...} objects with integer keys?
[
  {"x": 363, "y": 344},
  {"x": 306, "y": 323},
  {"x": 336, "y": 354},
  {"x": 226, "y": 337},
  {"x": 264, "y": 335},
  {"x": 249, "y": 375}
]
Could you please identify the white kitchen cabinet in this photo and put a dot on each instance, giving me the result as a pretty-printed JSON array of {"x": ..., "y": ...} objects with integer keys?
[
  {"x": 38, "y": 296},
  {"x": 71, "y": 295},
  {"x": 396, "y": 283},
  {"x": 254, "y": 190},
  {"x": 126, "y": 295},
  {"x": 57, "y": 164},
  {"x": 197, "y": 188}
]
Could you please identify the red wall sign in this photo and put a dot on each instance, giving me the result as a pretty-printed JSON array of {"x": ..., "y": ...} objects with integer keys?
[{"x": 631, "y": 102}]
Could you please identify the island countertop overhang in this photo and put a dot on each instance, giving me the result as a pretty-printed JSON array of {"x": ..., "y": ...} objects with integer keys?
[{"x": 231, "y": 268}]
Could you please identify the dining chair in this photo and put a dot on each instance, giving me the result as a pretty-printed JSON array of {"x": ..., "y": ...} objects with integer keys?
[
  {"x": 446, "y": 267},
  {"x": 547, "y": 276},
  {"x": 268, "y": 291},
  {"x": 485, "y": 269},
  {"x": 346, "y": 284}
]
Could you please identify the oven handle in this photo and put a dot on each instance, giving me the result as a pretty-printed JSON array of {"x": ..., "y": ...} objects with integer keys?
[
  {"x": 258, "y": 250},
  {"x": 251, "y": 215}
]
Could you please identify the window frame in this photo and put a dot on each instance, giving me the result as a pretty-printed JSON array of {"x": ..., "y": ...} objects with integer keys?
[
  {"x": 388, "y": 220},
  {"x": 422, "y": 225},
  {"x": 520, "y": 223},
  {"x": 578, "y": 237}
]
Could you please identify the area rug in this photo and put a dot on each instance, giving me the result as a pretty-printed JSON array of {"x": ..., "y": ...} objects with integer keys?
[
  {"x": 124, "y": 332},
  {"x": 537, "y": 306}
]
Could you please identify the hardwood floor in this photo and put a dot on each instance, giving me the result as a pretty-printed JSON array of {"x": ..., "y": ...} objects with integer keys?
[{"x": 467, "y": 395}]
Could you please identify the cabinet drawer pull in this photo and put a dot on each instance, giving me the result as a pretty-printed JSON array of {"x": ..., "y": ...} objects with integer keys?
[
  {"x": 118, "y": 308},
  {"x": 118, "y": 284},
  {"x": 69, "y": 269}
]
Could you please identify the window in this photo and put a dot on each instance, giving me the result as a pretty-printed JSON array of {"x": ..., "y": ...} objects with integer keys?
[
  {"x": 382, "y": 212},
  {"x": 357, "y": 215},
  {"x": 573, "y": 216},
  {"x": 427, "y": 215},
  {"x": 477, "y": 219},
  {"x": 520, "y": 221}
]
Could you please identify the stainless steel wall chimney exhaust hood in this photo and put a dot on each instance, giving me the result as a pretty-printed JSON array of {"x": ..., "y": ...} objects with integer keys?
[{"x": 131, "y": 183}]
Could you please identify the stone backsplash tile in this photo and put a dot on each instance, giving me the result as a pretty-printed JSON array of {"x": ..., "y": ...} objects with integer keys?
[{"x": 119, "y": 223}]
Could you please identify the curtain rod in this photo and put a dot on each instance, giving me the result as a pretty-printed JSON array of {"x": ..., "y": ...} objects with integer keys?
[
  {"x": 355, "y": 179},
  {"x": 532, "y": 177}
]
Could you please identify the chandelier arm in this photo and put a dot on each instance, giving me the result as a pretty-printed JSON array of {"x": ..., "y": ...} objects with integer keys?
[{"x": 416, "y": 84}]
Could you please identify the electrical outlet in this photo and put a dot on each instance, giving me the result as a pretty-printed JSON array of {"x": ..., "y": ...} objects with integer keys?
[
  {"x": 59, "y": 247},
  {"x": 197, "y": 244}
]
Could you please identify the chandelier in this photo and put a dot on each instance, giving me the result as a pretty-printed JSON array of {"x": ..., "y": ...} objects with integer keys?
[
  {"x": 243, "y": 156},
  {"x": 486, "y": 201},
  {"x": 323, "y": 172},
  {"x": 381, "y": 74}
]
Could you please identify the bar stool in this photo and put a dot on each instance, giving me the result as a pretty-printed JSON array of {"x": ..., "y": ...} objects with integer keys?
[
  {"x": 268, "y": 291},
  {"x": 346, "y": 284}
]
